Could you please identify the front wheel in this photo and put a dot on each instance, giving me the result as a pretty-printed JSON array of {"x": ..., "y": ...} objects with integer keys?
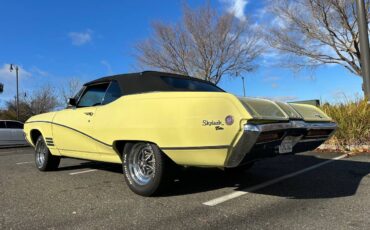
[
  {"x": 43, "y": 158},
  {"x": 144, "y": 168}
]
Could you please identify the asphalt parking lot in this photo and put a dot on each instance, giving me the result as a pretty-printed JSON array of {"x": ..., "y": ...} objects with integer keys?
[{"x": 306, "y": 191}]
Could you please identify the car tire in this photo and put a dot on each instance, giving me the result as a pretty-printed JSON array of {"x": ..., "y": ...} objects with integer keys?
[
  {"x": 145, "y": 168},
  {"x": 44, "y": 160}
]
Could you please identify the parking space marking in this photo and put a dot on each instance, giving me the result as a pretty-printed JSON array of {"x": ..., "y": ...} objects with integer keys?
[
  {"x": 236, "y": 194},
  {"x": 85, "y": 171},
  {"x": 25, "y": 162}
]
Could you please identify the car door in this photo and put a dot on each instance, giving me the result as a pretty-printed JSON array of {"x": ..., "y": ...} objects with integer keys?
[
  {"x": 73, "y": 127},
  {"x": 5, "y": 134},
  {"x": 103, "y": 125},
  {"x": 16, "y": 130}
]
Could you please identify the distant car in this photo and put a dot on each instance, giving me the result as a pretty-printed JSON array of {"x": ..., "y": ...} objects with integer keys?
[
  {"x": 151, "y": 121},
  {"x": 11, "y": 134}
]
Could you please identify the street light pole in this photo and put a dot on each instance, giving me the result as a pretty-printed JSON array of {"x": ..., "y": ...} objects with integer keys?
[
  {"x": 17, "y": 98},
  {"x": 364, "y": 46},
  {"x": 243, "y": 87}
]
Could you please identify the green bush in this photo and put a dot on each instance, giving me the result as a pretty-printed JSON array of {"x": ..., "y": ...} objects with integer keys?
[{"x": 353, "y": 120}]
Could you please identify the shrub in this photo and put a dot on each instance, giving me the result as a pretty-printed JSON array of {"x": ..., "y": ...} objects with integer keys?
[{"x": 353, "y": 120}]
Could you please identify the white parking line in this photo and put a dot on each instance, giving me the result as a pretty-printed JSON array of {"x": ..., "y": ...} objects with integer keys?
[
  {"x": 85, "y": 171},
  {"x": 233, "y": 195},
  {"x": 25, "y": 162}
]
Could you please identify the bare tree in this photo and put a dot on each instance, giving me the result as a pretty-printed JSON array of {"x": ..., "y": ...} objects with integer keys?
[
  {"x": 10, "y": 111},
  {"x": 43, "y": 100},
  {"x": 318, "y": 31},
  {"x": 204, "y": 44},
  {"x": 40, "y": 101},
  {"x": 69, "y": 90}
]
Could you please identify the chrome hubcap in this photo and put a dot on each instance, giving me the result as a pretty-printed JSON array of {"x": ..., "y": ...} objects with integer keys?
[
  {"x": 41, "y": 151},
  {"x": 142, "y": 164}
]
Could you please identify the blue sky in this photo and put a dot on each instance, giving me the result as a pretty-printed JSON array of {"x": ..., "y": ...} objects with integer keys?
[{"x": 54, "y": 41}]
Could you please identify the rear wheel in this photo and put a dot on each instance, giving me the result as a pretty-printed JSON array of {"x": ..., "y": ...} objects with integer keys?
[
  {"x": 43, "y": 158},
  {"x": 144, "y": 167}
]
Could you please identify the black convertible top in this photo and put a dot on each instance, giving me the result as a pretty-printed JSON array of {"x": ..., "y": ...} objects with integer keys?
[{"x": 149, "y": 81}]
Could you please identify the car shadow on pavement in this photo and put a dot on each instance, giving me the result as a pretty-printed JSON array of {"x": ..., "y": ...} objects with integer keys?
[
  {"x": 116, "y": 168},
  {"x": 339, "y": 178}
]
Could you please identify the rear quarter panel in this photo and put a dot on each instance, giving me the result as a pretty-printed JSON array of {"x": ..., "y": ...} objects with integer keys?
[{"x": 176, "y": 122}]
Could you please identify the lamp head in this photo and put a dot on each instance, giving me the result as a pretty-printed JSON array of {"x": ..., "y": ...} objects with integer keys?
[{"x": 11, "y": 67}]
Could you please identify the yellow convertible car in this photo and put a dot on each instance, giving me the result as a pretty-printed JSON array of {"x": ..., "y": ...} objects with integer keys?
[{"x": 152, "y": 121}]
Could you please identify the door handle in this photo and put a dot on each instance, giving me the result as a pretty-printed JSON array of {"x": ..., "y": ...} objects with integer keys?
[{"x": 89, "y": 113}]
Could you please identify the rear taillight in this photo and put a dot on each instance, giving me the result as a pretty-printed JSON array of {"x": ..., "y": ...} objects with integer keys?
[
  {"x": 269, "y": 136},
  {"x": 317, "y": 133}
]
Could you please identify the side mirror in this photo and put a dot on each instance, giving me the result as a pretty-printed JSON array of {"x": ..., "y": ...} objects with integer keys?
[{"x": 72, "y": 102}]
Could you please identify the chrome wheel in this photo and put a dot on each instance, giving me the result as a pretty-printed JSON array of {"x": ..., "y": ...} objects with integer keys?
[
  {"x": 141, "y": 164},
  {"x": 41, "y": 152},
  {"x": 44, "y": 160}
]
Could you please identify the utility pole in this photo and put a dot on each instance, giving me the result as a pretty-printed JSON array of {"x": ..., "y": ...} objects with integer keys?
[
  {"x": 16, "y": 74},
  {"x": 364, "y": 46}
]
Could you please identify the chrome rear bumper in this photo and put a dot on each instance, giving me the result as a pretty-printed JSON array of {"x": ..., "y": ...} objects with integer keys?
[{"x": 247, "y": 148}]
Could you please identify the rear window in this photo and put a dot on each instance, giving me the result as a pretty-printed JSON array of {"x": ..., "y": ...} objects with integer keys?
[
  {"x": 190, "y": 85},
  {"x": 2, "y": 125}
]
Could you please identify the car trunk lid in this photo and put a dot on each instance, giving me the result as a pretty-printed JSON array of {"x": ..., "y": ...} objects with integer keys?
[{"x": 264, "y": 109}]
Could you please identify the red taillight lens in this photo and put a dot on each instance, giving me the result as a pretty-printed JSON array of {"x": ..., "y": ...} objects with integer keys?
[
  {"x": 269, "y": 136},
  {"x": 318, "y": 133}
]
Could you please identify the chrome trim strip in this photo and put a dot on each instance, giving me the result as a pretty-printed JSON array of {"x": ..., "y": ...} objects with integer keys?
[
  {"x": 53, "y": 123},
  {"x": 78, "y": 151},
  {"x": 294, "y": 125}
]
